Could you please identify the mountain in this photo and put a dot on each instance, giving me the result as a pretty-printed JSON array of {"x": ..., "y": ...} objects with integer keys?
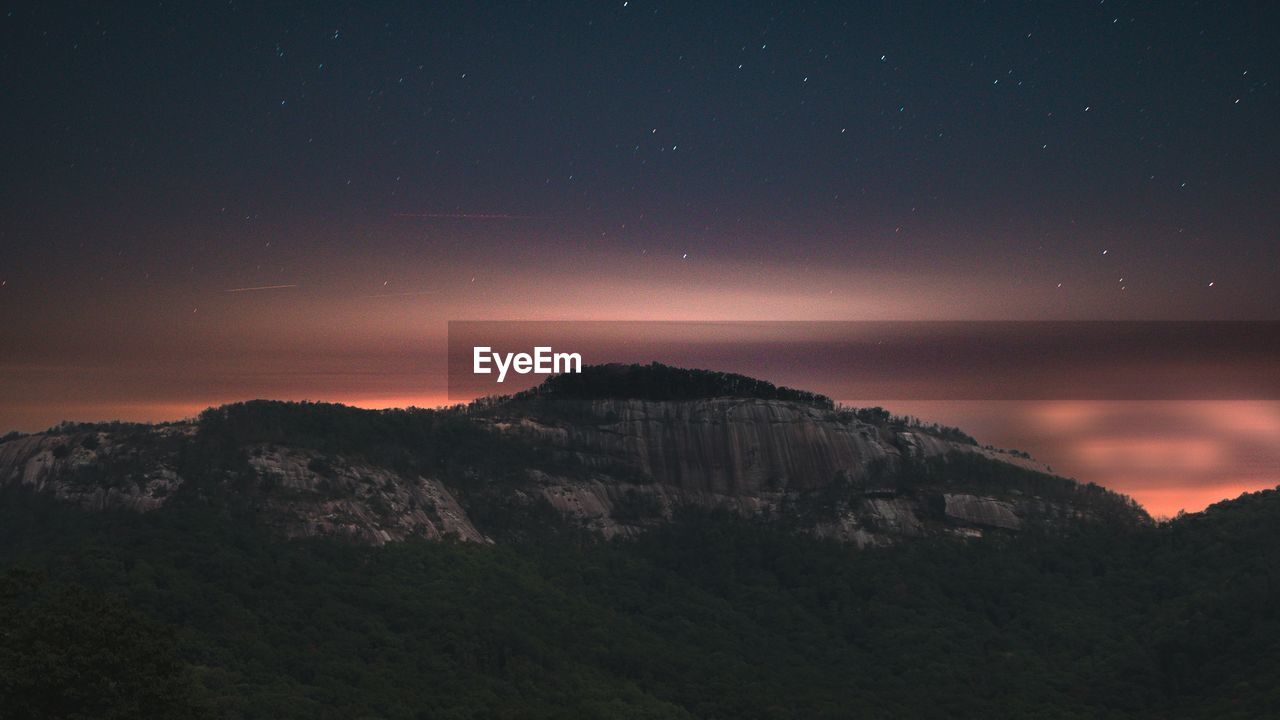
[
  {"x": 640, "y": 542},
  {"x": 615, "y": 450}
]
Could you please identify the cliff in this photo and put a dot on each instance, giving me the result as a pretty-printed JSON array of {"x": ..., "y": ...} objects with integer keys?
[
  {"x": 843, "y": 478},
  {"x": 301, "y": 492},
  {"x": 612, "y": 465}
]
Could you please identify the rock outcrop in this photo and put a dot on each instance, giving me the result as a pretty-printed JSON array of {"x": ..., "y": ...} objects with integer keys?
[
  {"x": 303, "y": 492},
  {"x": 94, "y": 469},
  {"x": 757, "y": 457},
  {"x": 721, "y": 446},
  {"x": 618, "y": 466},
  {"x": 732, "y": 446},
  {"x": 982, "y": 512},
  {"x": 316, "y": 495}
]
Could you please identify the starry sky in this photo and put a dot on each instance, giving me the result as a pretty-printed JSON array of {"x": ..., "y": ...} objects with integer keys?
[{"x": 202, "y": 203}]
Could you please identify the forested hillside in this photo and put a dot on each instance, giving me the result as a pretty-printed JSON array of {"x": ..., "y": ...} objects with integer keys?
[{"x": 712, "y": 616}]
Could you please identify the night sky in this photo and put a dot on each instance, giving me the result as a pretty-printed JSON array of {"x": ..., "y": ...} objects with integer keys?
[{"x": 204, "y": 203}]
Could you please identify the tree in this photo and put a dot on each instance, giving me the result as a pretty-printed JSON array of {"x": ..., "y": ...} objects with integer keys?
[{"x": 67, "y": 652}]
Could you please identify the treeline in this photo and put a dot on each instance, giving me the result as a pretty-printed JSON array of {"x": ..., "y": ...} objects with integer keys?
[
  {"x": 710, "y": 617},
  {"x": 659, "y": 383},
  {"x": 67, "y": 651},
  {"x": 437, "y": 443},
  {"x": 479, "y": 465},
  {"x": 880, "y": 417},
  {"x": 978, "y": 474}
]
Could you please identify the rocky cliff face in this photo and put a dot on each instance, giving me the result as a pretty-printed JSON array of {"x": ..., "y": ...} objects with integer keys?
[
  {"x": 721, "y": 446},
  {"x": 317, "y": 495},
  {"x": 730, "y": 446},
  {"x": 621, "y": 465},
  {"x": 760, "y": 457},
  {"x": 94, "y": 469},
  {"x": 303, "y": 492}
]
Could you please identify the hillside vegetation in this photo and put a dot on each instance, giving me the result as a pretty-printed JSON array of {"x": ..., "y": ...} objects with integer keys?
[
  {"x": 661, "y": 383},
  {"x": 709, "y": 617}
]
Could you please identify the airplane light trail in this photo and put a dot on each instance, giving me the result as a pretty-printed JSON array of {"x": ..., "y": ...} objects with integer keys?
[
  {"x": 470, "y": 216},
  {"x": 261, "y": 287}
]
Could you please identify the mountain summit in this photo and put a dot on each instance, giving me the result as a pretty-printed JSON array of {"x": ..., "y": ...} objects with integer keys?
[
  {"x": 775, "y": 556},
  {"x": 615, "y": 450}
]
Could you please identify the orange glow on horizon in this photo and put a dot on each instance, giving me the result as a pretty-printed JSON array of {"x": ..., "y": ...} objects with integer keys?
[
  {"x": 1168, "y": 502},
  {"x": 1161, "y": 454}
]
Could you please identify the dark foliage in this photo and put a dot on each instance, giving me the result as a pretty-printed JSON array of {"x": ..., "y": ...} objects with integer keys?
[
  {"x": 437, "y": 443},
  {"x": 481, "y": 467},
  {"x": 635, "y": 506},
  {"x": 657, "y": 382},
  {"x": 68, "y": 652},
  {"x": 115, "y": 427},
  {"x": 882, "y": 418},
  {"x": 977, "y": 474},
  {"x": 709, "y": 617}
]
